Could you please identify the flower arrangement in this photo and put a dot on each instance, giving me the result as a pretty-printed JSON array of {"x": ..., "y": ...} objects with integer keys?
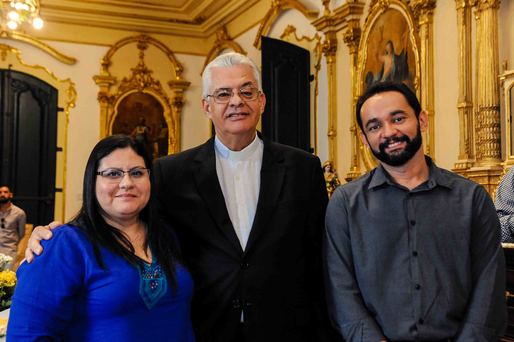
[{"x": 7, "y": 282}]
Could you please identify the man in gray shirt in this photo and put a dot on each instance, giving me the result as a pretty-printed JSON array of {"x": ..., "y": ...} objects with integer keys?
[
  {"x": 12, "y": 224},
  {"x": 412, "y": 252}
]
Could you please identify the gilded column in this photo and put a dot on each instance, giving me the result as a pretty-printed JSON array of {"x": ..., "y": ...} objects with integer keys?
[
  {"x": 329, "y": 49},
  {"x": 487, "y": 169},
  {"x": 423, "y": 11},
  {"x": 488, "y": 91},
  {"x": 465, "y": 100},
  {"x": 345, "y": 18},
  {"x": 105, "y": 81},
  {"x": 351, "y": 37},
  {"x": 328, "y": 25},
  {"x": 177, "y": 103}
]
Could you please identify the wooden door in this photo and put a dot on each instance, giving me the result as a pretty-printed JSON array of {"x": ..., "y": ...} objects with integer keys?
[{"x": 285, "y": 81}]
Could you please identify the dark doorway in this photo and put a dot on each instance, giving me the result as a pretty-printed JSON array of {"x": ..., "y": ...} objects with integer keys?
[
  {"x": 285, "y": 81},
  {"x": 28, "y": 126}
]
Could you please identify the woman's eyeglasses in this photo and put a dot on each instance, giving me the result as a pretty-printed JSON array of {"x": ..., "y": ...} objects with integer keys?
[{"x": 116, "y": 175}]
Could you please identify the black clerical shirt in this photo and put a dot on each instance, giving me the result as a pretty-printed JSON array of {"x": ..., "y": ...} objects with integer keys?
[{"x": 414, "y": 265}]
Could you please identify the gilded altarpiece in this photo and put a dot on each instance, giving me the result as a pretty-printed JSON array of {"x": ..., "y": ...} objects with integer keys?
[
  {"x": 389, "y": 50},
  {"x": 138, "y": 104}
]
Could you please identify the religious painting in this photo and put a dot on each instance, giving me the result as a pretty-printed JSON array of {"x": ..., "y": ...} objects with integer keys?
[
  {"x": 389, "y": 51},
  {"x": 140, "y": 115}
]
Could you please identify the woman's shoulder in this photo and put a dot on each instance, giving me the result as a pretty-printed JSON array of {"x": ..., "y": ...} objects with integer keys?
[
  {"x": 67, "y": 237},
  {"x": 68, "y": 232}
]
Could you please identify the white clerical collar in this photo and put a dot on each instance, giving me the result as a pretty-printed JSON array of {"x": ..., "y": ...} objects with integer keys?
[{"x": 245, "y": 154}]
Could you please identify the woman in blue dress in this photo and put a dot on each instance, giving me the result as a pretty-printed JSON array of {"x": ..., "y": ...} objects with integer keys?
[{"x": 114, "y": 273}]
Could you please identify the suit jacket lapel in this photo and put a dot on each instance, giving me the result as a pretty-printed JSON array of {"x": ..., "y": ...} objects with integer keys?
[
  {"x": 272, "y": 178},
  {"x": 210, "y": 190}
]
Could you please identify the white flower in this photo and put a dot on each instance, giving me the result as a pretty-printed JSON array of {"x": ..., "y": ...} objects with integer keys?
[{"x": 4, "y": 260}]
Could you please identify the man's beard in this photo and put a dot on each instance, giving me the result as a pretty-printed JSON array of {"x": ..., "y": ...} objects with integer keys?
[
  {"x": 4, "y": 200},
  {"x": 401, "y": 157}
]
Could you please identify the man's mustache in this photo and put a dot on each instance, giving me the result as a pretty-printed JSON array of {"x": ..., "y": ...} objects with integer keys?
[{"x": 383, "y": 145}]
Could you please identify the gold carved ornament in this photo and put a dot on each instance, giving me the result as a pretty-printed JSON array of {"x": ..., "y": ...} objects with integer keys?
[{"x": 277, "y": 7}]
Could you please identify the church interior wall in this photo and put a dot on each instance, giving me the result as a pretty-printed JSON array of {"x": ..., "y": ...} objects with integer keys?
[{"x": 84, "y": 120}]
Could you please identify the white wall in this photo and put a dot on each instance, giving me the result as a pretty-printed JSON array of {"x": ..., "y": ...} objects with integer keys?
[{"x": 446, "y": 84}]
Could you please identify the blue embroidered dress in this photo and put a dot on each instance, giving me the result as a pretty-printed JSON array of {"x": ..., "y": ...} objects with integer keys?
[{"x": 65, "y": 295}]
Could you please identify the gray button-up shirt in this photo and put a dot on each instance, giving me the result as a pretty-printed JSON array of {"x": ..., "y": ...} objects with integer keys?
[{"x": 414, "y": 265}]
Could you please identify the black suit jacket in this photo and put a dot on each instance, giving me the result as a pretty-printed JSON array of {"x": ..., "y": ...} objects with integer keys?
[{"x": 277, "y": 280}]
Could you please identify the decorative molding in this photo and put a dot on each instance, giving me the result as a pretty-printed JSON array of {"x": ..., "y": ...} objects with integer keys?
[
  {"x": 192, "y": 18},
  {"x": 143, "y": 41},
  {"x": 10, "y": 58},
  {"x": 15, "y": 35},
  {"x": 223, "y": 41},
  {"x": 277, "y": 7}
]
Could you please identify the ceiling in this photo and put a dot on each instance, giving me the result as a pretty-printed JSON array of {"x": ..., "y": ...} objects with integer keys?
[{"x": 195, "y": 18}]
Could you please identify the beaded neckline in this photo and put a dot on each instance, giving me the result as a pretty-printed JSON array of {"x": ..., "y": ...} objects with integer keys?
[{"x": 153, "y": 284}]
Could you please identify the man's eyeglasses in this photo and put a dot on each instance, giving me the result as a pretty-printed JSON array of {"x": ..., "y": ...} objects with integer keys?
[
  {"x": 116, "y": 175},
  {"x": 3, "y": 223},
  {"x": 224, "y": 95}
]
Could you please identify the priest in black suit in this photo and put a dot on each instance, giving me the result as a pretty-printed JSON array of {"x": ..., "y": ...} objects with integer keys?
[{"x": 249, "y": 215}]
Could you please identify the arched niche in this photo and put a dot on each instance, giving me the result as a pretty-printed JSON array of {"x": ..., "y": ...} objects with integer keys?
[{"x": 141, "y": 79}]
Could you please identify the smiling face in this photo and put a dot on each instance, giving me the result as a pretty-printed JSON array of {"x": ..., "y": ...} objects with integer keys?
[
  {"x": 391, "y": 128},
  {"x": 235, "y": 122},
  {"x": 121, "y": 201}
]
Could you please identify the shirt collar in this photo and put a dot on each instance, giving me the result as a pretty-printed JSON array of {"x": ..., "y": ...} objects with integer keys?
[
  {"x": 245, "y": 154},
  {"x": 436, "y": 177}
]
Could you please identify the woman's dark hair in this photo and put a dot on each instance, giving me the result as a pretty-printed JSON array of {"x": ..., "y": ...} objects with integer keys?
[
  {"x": 159, "y": 236},
  {"x": 382, "y": 87}
]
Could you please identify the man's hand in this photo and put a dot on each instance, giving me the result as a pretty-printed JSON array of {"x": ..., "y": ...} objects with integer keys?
[{"x": 39, "y": 233}]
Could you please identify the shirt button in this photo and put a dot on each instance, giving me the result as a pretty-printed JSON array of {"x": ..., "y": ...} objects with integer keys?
[
  {"x": 417, "y": 286},
  {"x": 415, "y": 253},
  {"x": 412, "y": 222}
]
